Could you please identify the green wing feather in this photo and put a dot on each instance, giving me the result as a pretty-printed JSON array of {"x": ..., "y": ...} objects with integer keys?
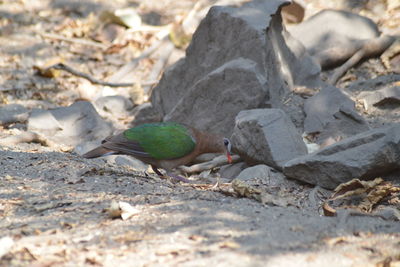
[{"x": 165, "y": 140}]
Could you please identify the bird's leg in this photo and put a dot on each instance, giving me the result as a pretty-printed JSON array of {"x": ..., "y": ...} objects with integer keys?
[
  {"x": 157, "y": 171},
  {"x": 177, "y": 177}
]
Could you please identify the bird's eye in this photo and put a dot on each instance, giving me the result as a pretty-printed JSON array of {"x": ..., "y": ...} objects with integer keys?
[{"x": 226, "y": 142}]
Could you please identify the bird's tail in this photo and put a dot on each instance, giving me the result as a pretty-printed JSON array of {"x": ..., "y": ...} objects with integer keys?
[{"x": 98, "y": 152}]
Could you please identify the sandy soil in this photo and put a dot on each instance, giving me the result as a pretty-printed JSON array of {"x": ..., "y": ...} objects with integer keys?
[{"x": 54, "y": 207}]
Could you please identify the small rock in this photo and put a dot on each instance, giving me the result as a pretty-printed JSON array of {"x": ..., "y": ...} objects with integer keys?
[
  {"x": 258, "y": 171},
  {"x": 231, "y": 171},
  {"x": 71, "y": 125},
  {"x": 116, "y": 105},
  {"x": 332, "y": 114},
  {"x": 13, "y": 113},
  {"x": 128, "y": 161},
  {"x": 86, "y": 146},
  {"x": 366, "y": 155},
  {"x": 388, "y": 213},
  {"x": 267, "y": 136},
  {"x": 270, "y": 176},
  {"x": 145, "y": 113},
  {"x": 380, "y": 97}
]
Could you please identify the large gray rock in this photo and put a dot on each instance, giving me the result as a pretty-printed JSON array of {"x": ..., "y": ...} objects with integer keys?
[
  {"x": 250, "y": 33},
  {"x": 332, "y": 114},
  {"x": 70, "y": 125},
  {"x": 214, "y": 101},
  {"x": 267, "y": 136},
  {"x": 366, "y": 155},
  {"x": 341, "y": 29}
]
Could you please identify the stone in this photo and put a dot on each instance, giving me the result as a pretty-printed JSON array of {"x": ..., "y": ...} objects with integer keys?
[
  {"x": 231, "y": 171},
  {"x": 380, "y": 97},
  {"x": 214, "y": 101},
  {"x": 367, "y": 155},
  {"x": 270, "y": 176},
  {"x": 84, "y": 147},
  {"x": 145, "y": 113},
  {"x": 13, "y": 113},
  {"x": 116, "y": 105},
  {"x": 266, "y": 136},
  {"x": 332, "y": 114},
  {"x": 377, "y": 83},
  {"x": 252, "y": 33},
  {"x": 341, "y": 29},
  {"x": 71, "y": 125},
  {"x": 122, "y": 160}
]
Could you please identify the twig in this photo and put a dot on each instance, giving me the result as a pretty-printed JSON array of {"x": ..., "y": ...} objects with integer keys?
[
  {"x": 149, "y": 28},
  {"x": 158, "y": 67},
  {"x": 8, "y": 89},
  {"x": 218, "y": 161},
  {"x": 32, "y": 137},
  {"x": 336, "y": 56},
  {"x": 62, "y": 66},
  {"x": 72, "y": 40},
  {"x": 26, "y": 137},
  {"x": 371, "y": 48},
  {"x": 130, "y": 66}
]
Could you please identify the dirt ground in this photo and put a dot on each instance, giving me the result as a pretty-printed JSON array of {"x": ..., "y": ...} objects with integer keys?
[{"x": 54, "y": 204}]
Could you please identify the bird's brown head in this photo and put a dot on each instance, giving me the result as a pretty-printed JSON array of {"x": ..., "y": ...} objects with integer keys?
[{"x": 211, "y": 143}]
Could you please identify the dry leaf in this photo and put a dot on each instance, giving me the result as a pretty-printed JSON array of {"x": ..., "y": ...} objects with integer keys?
[
  {"x": 197, "y": 238},
  {"x": 244, "y": 190},
  {"x": 5, "y": 245},
  {"x": 328, "y": 210},
  {"x": 229, "y": 244},
  {"x": 127, "y": 17},
  {"x": 122, "y": 209},
  {"x": 359, "y": 195},
  {"x": 46, "y": 69},
  {"x": 354, "y": 187}
]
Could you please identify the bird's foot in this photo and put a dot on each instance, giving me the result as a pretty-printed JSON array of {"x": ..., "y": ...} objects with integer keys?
[
  {"x": 216, "y": 185},
  {"x": 178, "y": 177}
]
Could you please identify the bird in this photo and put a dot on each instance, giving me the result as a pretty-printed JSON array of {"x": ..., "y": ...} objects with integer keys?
[{"x": 165, "y": 145}]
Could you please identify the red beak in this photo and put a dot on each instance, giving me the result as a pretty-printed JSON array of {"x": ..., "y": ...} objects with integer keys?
[{"x": 229, "y": 157}]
